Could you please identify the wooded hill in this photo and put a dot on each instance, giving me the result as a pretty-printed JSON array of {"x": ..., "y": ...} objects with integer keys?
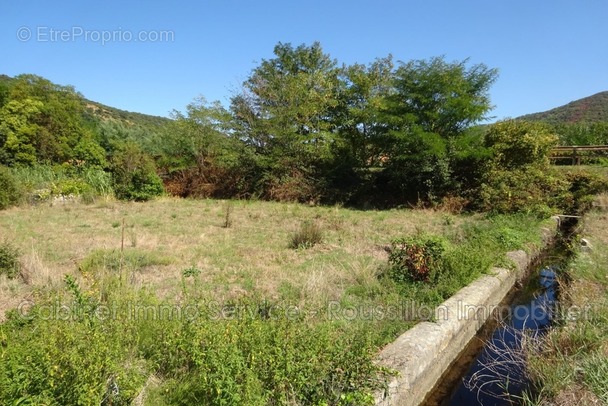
[{"x": 590, "y": 109}]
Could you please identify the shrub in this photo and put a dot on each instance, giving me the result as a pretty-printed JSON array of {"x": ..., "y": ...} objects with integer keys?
[
  {"x": 10, "y": 191},
  {"x": 416, "y": 258},
  {"x": 515, "y": 144},
  {"x": 9, "y": 260},
  {"x": 529, "y": 190},
  {"x": 134, "y": 175},
  {"x": 584, "y": 186},
  {"x": 75, "y": 187},
  {"x": 307, "y": 236},
  {"x": 517, "y": 178}
]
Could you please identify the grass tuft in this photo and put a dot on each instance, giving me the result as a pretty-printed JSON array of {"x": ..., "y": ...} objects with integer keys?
[{"x": 307, "y": 236}]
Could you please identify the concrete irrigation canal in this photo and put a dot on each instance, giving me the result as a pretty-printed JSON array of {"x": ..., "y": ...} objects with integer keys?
[{"x": 471, "y": 354}]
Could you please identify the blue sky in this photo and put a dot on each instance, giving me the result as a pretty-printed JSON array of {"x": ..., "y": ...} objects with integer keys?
[{"x": 548, "y": 52}]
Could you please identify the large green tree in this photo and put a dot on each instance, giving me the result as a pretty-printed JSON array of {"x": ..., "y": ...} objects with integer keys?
[
  {"x": 431, "y": 106},
  {"x": 285, "y": 111},
  {"x": 45, "y": 122},
  {"x": 18, "y": 132}
]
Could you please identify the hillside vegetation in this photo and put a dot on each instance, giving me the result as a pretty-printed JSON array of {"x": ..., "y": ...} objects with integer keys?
[
  {"x": 590, "y": 109},
  {"x": 580, "y": 122}
]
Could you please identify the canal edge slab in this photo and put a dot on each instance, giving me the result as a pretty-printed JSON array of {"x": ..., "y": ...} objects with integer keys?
[{"x": 420, "y": 356}]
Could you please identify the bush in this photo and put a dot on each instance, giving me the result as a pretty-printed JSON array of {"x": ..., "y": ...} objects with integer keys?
[
  {"x": 416, "y": 258},
  {"x": 528, "y": 190},
  {"x": 515, "y": 144},
  {"x": 10, "y": 190},
  {"x": 9, "y": 260},
  {"x": 518, "y": 178},
  {"x": 307, "y": 236},
  {"x": 134, "y": 175},
  {"x": 74, "y": 187},
  {"x": 44, "y": 181}
]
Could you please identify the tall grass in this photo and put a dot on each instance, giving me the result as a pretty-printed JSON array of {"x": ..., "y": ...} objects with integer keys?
[{"x": 57, "y": 179}]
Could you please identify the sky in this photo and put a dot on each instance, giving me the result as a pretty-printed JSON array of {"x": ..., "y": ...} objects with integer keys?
[{"x": 154, "y": 56}]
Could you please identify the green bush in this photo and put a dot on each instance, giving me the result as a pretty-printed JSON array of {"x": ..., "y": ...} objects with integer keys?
[
  {"x": 541, "y": 191},
  {"x": 307, "y": 236},
  {"x": 68, "y": 356},
  {"x": 584, "y": 186},
  {"x": 418, "y": 258},
  {"x": 44, "y": 181},
  {"x": 517, "y": 177},
  {"x": 9, "y": 260},
  {"x": 10, "y": 190},
  {"x": 253, "y": 356},
  {"x": 70, "y": 186},
  {"x": 134, "y": 175},
  {"x": 515, "y": 144}
]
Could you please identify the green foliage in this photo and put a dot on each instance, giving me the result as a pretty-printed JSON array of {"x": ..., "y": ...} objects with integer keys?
[
  {"x": 43, "y": 181},
  {"x": 260, "y": 358},
  {"x": 113, "y": 260},
  {"x": 9, "y": 260},
  {"x": 73, "y": 352},
  {"x": 308, "y": 235},
  {"x": 284, "y": 113},
  {"x": 428, "y": 269},
  {"x": 517, "y": 177},
  {"x": 199, "y": 157},
  {"x": 583, "y": 133},
  {"x": 529, "y": 190},
  {"x": 302, "y": 129},
  {"x": 134, "y": 175},
  {"x": 516, "y": 144},
  {"x": 74, "y": 187},
  {"x": 11, "y": 192},
  {"x": 68, "y": 358},
  {"x": 18, "y": 132},
  {"x": 416, "y": 258},
  {"x": 45, "y": 122},
  {"x": 431, "y": 105},
  {"x": 442, "y": 98}
]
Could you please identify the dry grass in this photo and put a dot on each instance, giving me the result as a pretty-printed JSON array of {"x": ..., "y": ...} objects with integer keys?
[{"x": 249, "y": 257}]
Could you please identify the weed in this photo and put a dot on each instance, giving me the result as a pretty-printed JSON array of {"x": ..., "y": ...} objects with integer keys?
[
  {"x": 113, "y": 259},
  {"x": 9, "y": 260},
  {"x": 307, "y": 236},
  {"x": 191, "y": 272},
  {"x": 227, "y": 215},
  {"x": 416, "y": 258}
]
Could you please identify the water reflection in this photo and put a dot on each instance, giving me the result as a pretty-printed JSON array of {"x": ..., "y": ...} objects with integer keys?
[{"x": 498, "y": 375}]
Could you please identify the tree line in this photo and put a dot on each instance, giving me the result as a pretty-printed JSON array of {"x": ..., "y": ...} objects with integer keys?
[{"x": 301, "y": 128}]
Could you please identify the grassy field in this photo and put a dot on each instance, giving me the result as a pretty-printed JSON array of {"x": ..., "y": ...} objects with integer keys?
[
  {"x": 274, "y": 324},
  {"x": 572, "y": 367},
  {"x": 252, "y": 255}
]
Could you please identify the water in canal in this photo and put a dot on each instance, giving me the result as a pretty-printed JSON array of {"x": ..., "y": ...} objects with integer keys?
[{"x": 497, "y": 376}]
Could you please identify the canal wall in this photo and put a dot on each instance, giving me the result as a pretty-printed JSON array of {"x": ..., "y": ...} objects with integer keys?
[{"x": 421, "y": 355}]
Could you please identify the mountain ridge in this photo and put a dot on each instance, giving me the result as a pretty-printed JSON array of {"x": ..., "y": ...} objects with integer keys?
[{"x": 590, "y": 109}]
